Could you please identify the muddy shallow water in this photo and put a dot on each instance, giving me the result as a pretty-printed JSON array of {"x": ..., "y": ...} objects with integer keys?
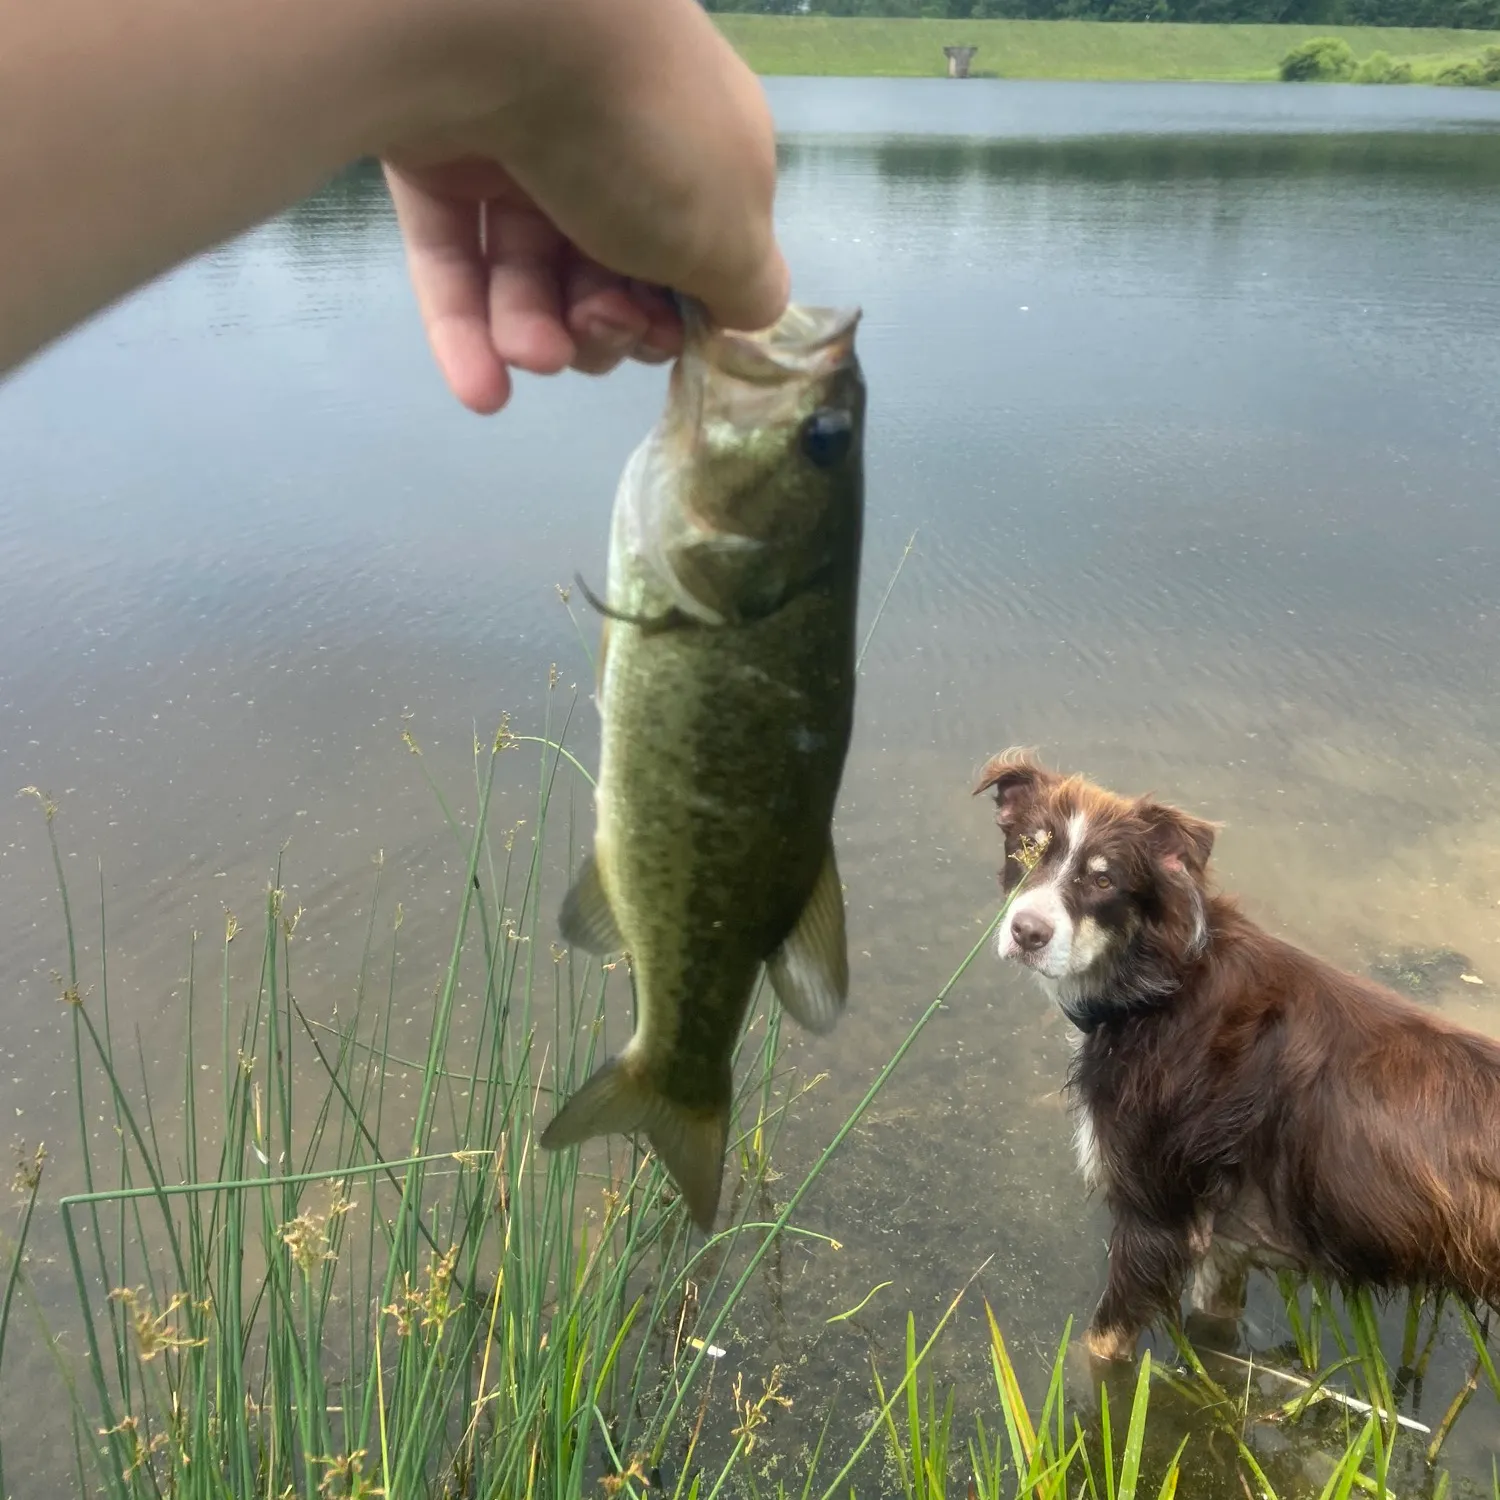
[{"x": 1191, "y": 396}]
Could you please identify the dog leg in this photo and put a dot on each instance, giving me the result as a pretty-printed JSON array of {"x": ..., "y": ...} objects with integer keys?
[
  {"x": 1147, "y": 1266},
  {"x": 1112, "y": 1343},
  {"x": 1221, "y": 1278},
  {"x": 1221, "y": 1281}
]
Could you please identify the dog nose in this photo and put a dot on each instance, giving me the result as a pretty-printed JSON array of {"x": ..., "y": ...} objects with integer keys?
[{"x": 1030, "y": 931}]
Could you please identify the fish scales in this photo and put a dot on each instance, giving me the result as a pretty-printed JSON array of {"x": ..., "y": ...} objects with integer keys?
[{"x": 717, "y": 879}]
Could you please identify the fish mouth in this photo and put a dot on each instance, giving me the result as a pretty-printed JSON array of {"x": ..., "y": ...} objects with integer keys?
[
  {"x": 804, "y": 343},
  {"x": 802, "y": 330}
]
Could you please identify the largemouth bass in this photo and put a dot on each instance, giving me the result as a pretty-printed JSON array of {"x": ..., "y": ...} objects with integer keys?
[{"x": 726, "y": 694}]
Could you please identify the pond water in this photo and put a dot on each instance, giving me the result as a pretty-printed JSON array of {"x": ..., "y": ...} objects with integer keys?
[{"x": 1191, "y": 397}]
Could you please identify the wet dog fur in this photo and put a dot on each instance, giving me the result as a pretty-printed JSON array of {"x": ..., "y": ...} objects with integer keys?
[{"x": 1239, "y": 1102}]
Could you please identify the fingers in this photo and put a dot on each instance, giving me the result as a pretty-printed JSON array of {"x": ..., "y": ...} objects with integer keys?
[
  {"x": 525, "y": 299},
  {"x": 552, "y": 309},
  {"x": 449, "y": 278},
  {"x": 606, "y": 321},
  {"x": 500, "y": 288},
  {"x": 663, "y": 337}
]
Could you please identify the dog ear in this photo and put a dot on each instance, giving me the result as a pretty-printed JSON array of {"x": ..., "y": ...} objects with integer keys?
[
  {"x": 1015, "y": 777},
  {"x": 1179, "y": 841}
]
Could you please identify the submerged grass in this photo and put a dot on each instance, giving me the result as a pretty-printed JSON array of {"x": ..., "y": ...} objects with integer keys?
[{"x": 311, "y": 1286}]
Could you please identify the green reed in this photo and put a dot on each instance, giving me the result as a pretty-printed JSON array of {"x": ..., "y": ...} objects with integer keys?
[
  {"x": 1071, "y": 1449},
  {"x": 308, "y": 1287},
  {"x": 303, "y": 1289}
]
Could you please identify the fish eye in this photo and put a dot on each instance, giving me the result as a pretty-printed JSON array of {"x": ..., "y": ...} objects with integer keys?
[{"x": 827, "y": 436}]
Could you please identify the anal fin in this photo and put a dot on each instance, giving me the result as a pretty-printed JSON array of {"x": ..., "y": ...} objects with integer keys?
[
  {"x": 810, "y": 971},
  {"x": 587, "y": 920},
  {"x": 612, "y": 1102},
  {"x": 690, "y": 1143}
]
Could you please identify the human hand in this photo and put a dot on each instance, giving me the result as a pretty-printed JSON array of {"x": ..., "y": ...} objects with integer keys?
[
  {"x": 500, "y": 287},
  {"x": 608, "y": 147},
  {"x": 633, "y": 153}
]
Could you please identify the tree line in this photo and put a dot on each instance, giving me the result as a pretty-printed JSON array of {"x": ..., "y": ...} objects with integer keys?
[{"x": 1468, "y": 14}]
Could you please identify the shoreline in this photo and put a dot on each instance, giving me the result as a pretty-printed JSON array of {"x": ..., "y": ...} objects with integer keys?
[{"x": 1074, "y": 51}]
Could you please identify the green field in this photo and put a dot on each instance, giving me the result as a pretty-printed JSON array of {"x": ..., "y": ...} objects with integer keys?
[{"x": 856, "y": 47}]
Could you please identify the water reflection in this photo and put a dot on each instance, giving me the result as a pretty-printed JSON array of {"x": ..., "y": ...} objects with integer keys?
[
  {"x": 1452, "y": 163},
  {"x": 351, "y": 214}
]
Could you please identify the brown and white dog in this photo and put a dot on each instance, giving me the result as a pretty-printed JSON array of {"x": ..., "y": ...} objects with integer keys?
[{"x": 1238, "y": 1101}]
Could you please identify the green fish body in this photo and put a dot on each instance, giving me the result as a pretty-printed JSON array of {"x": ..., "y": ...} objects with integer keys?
[{"x": 726, "y": 696}]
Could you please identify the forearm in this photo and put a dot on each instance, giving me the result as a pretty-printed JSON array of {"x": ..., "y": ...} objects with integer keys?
[{"x": 134, "y": 133}]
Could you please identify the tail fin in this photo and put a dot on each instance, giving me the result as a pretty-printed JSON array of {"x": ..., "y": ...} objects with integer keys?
[{"x": 690, "y": 1143}]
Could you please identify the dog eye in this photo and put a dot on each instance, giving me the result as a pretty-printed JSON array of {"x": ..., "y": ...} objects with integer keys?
[{"x": 1103, "y": 882}]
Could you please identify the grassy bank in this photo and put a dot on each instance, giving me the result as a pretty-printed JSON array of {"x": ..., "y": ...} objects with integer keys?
[{"x": 856, "y": 47}]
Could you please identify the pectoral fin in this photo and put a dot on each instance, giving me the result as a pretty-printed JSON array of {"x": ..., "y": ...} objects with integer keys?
[
  {"x": 810, "y": 971},
  {"x": 690, "y": 1143},
  {"x": 587, "y": 921}
]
